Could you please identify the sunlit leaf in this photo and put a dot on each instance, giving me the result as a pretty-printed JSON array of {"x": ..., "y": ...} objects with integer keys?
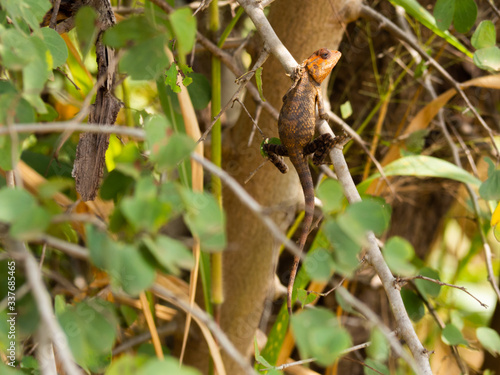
[
  {"x": 331, "y": 194},
  {"x": 485, "y": 35},
  {"x": 398, "y": 253},
  {"x": 489, "y": 339},
  {"x": 488, "y": 58},
  {"x": 184, "y": 26},
  {"x": 451, "y": 335},
  {"x": 318, "y": 334}
]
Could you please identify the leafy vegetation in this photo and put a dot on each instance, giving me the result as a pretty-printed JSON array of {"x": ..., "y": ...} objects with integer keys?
[{"x": 103, "y": 262}]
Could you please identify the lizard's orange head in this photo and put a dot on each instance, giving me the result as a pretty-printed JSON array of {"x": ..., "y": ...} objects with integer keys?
[{"x": 321, "y": 63}]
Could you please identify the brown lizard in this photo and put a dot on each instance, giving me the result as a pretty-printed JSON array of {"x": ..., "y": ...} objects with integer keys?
[{"x": 296, "y": 126}]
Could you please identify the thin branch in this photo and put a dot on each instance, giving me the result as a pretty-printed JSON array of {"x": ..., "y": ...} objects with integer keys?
[
  {"x": 309, "y": 360},
  {"x": 243, "y": 81},
  {"x": 404, "y": 280},
  {"x": 206, "y": 319},
  {"x": 75, "y": 126},
  {"x": 68, "y": 248},
  {"x": 55, "y": 12},
  {"x": 248, "y": 201},
  {"x": 377, "y": 322},
  {"x": 165, "y": 330},
  {"x": 43, "y": 302},
  {"x": 357, "y": 138},
  {"x": 385, "y": 23}
]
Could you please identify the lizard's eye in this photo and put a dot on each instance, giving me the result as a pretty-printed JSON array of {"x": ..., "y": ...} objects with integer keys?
[{"x": 325, "y": 54}]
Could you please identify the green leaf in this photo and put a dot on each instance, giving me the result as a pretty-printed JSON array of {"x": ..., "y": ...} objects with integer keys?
[
  {"x": 86, "y": 28},
  {"x": 379, "y": 348},
  {"x": 129, "y": 314},
  {"x": 318, "y": 335},
  {"x": 165, "y": 366},
  {"x": 305, "y": 298},
  {"x": 199, "y": 90},
  {"x": 451, "y": 335},
  {"x": 31, "y": 11},
  {"x": 428, "y": 287},
  {"x": 443, "y": 13},
  {"x": 489, "y": 339},
  {"x": 205, "y": 219},
  {"x": 331, "y": 194},
  {"x": 115, "y": 185},
  {"x": 124, "y": 263},
  {"x": 90, "y": 327},
  {"x": 414, "y": 9},
  {"x": 178, "y": 148},
  {"x": 21, "y": 112},
  {"x": 36, "y": 222},
  {"x": 20, "y": 209},
  {"x": 485, "y": 35},
  {"x": 346, "y": 110},
  {"x": 145, "y": 212},
  {"x": 56, "y": 45},
  {"x": 360, "y": 217},
  {"x": 171, "y": 78},
  {"x": 258, "y": 358},
  {"x": 428, "y": 166},
  {"x": 147, "y": 60},
  {"x": 184, "y": 26},
  {"x": 258, "y": 81},
  {"x": 487, "y": 58},
  {"x": 126, "y": 365},
  {"x": 319, "y": 265},
  {"x": 465, "y": 15},
  {"x": 398, "y": 253},
  {"x": 170, "y": 253},
  {"x": 378, "y": 368},
  {"x": 129, "y": 32},
  {"x": 345, "y": 249},
  {"x": 413, "y": 304}
]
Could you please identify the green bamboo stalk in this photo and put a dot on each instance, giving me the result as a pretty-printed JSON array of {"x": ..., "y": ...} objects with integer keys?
[{"x": 216, "y": 271}]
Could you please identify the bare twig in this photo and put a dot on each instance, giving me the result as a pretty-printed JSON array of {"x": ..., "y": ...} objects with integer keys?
[
  {"x": 404, "y": 280},
  {"x": 55, "y": 11},
  {"x": 43, "y": 302},
  {"x": 75, "y": 126},
  {"x": 242, "y": 84},
  {"x": 202, "y": 316},
  {"x": 309, "y": 360},
  {"x": 376, "y": 322},
  {"x": 165, "y": 330}
]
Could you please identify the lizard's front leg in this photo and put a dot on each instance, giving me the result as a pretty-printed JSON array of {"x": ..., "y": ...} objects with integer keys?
[
  {"x": 274, "y": 154},
  {"x": 321, "y": 146}
]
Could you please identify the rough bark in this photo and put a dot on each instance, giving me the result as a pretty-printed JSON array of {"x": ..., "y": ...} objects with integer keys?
[
  {"x": 89, "y": 163},
  {"x": 249, "y": 261}
]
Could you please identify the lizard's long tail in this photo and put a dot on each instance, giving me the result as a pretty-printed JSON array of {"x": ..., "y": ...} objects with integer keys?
[{"x": 306, "y": 181}]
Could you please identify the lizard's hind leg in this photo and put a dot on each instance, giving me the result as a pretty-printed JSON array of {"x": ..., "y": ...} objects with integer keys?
[
  {"x": 275, "y": 154},
  {"x": 321, "y": 146}
]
